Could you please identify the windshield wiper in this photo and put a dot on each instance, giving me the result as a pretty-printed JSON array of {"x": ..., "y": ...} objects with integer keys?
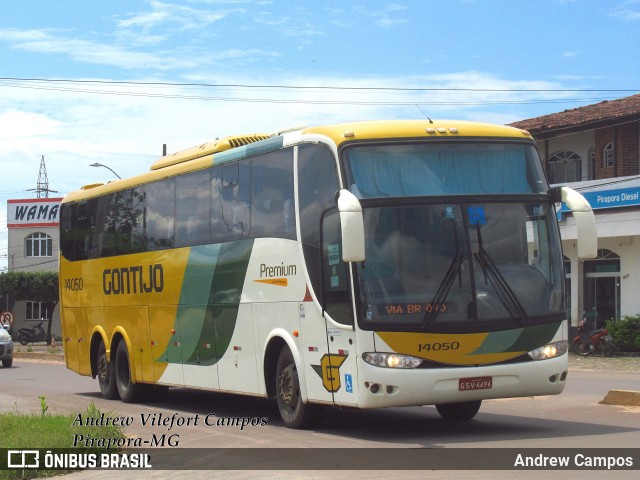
[
  {"x": 447, "y": 282},
  {"x": 506, "y": 295},
  {"x": 444, "y": 288}
]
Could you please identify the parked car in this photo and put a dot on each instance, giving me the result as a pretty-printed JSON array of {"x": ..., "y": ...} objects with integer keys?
[{"x": 6, "y": 348}]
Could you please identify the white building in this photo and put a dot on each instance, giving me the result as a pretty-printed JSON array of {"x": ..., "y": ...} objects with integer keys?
[
  {"x": 596, "y": 150},
  {"x": 34, "y": 241}
]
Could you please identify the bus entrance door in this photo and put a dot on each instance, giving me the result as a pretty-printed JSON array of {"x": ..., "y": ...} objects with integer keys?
[{"x": 340, "y": 366}]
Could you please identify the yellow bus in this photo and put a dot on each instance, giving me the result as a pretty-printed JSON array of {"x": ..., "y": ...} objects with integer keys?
[{"x": 370, "y": 264}]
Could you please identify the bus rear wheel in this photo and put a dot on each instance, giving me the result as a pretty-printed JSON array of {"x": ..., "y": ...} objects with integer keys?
[
  {"x": 129, "y": 392},
  {"x": 294, "y": 412},
  {"x": 106, "y": 374},
  {"x": 459, "y": 411}
]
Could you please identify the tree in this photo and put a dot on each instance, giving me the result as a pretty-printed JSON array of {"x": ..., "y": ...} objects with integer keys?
[{"x": 42, "y": 286}]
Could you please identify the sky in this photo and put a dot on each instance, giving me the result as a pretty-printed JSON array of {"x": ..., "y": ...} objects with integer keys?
[{"x": 112, "y": 82}]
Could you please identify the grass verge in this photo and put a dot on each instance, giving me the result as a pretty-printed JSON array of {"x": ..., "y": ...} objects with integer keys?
[{"x": 20, "y": 431}]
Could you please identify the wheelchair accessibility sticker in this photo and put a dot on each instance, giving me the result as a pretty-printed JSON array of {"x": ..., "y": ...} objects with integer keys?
[
  {"x": 348, "y": 383},
  {"x": 476, "y": 216}
]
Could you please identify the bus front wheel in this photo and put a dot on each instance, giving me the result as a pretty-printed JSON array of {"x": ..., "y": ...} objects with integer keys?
[
  {"x": 459, "y": 411},
  {"x": 294, "y": 412},
  {"x": 129, "y": 392},
  {"x": 106, "y": 374}
]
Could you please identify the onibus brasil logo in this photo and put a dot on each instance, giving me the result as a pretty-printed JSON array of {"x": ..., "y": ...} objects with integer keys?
[{"x": 54, "y": 460}]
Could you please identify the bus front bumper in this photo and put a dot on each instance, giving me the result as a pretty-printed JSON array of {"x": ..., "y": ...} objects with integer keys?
[{"x": 387, "y": 387}]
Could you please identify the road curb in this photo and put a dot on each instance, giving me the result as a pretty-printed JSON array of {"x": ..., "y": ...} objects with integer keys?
[{"x": 622, "y": 397}]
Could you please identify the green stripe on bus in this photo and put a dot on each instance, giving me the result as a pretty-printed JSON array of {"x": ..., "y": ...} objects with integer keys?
[
  {"x": 535, "y": 336},
  {"x": 224, "y": 297},
  {"x": 194, "y": 297},
  {"x": 209, "y": 303},
  {"x": 518, "y": 339},
  {"x": 498, "y": 342}
]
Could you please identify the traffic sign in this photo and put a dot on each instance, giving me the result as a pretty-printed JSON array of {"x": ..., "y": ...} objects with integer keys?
[{"x": 6, "y": 318}]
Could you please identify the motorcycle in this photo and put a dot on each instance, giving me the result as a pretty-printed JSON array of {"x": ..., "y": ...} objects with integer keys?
[
  {"x": 587, "y": 341},
  {"x": 31, "y": 335}
]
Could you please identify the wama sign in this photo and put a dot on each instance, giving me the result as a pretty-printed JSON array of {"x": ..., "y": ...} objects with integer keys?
[{"x": 33, "y": 212}]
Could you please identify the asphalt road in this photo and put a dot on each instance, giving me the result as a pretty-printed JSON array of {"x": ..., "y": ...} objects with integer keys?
[{"x": 574, "y": 419}]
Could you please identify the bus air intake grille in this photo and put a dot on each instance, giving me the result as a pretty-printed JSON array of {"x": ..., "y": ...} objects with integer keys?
[{"x": 210, "y": 148}]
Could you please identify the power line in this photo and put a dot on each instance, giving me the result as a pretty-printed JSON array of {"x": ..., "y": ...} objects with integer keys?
[
  {"x": 75, "y": 87},
  {"x": 24, "y": 267},
  {"x": 326, "y": 87},
  {"x": 313, "y": 102}
]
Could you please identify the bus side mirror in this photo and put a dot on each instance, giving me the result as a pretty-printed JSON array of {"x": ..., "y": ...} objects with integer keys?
[
  {"x": 352, "y": 226},
  {"x": 585, "y": 222}
]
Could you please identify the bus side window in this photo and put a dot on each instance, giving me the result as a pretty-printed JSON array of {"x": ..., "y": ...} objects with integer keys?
[
  {"x": 102, "y": 241},
  {"x": 75, "y": 231},
  {"x": 272, "y": 192},
  {"x": 334, "y": 271},
  {"x": 160, "y": 214},
  {"x": 84, "y": 230},
  {"x": 67, "y": 242},
  {"x": 138, "y": 235},
  {"x": 123, "y": 221},
  {"x": 193, "y": 203},
  {"x": 230, "y": 198}
]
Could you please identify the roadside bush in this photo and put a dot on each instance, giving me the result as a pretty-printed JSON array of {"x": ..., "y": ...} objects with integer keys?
[{"x": 625, "y": 333}]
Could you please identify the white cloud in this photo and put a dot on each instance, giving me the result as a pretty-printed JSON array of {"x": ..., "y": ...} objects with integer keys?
[
  {"x": 175, "y": 15},
  {"x": 386, "y": 17},
  {"x": 90, "y": 52},
  {"x": 390, "y": 22},
  {"x": 48, "y": 42},
  {"x": 629, "y": 10},
  {"x": 396, "y": 7},
  {"x": 16, "y": 125}
]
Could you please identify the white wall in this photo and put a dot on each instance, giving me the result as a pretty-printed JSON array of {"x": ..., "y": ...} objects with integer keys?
[
  {"x": 578, "y": 143},
  {"x": 628, "y": 248},
  {"x": 18, "y": 262}
]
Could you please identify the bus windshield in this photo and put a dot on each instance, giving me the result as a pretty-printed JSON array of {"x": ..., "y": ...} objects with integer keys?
[
  {"x": 444, "y": 169},
  {"x": 480, "y": 249}
]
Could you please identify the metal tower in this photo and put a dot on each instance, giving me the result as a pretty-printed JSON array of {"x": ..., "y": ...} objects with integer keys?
[{"x": 42, "y": 191}]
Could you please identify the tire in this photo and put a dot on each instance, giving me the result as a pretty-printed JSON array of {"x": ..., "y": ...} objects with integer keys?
[
  {"x": 7, "y": 363},
  {"x": 460, "y": 411},
  {"x": 106, "y": 373},
  {"x": 294, "y": 412},
  {"x": 608, "y": 349},
  {"x": 21, "y": 338},
  {"x": 581, "y": 348},
  {"x": 129, "y": 392}
]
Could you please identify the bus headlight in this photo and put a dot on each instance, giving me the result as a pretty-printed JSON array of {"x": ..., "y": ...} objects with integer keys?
[
  {"x": 550, "y": 350},
  {"x": 391, "y": 360}
]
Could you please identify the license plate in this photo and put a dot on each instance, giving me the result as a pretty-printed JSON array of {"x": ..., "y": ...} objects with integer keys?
[
  {"x": 608, "y": 338},
  {"x": 476, "y": 383}
]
